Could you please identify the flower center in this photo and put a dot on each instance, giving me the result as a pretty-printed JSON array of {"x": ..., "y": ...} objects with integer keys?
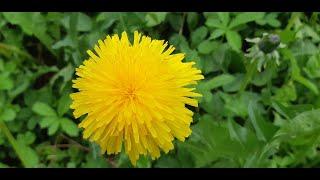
[{"x": 130, "y": 93}]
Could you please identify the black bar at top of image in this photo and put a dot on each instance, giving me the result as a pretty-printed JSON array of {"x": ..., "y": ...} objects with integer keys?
[{"x": 160, "y": 5}]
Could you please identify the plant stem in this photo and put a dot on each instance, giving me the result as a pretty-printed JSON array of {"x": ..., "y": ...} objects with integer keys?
[
  {"x": 182, "y": 23},
  {"x": 12, "y": 141},
  {"x": 16, "y": 50}
]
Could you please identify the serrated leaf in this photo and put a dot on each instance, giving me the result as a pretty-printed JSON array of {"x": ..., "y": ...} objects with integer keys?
[{"x": 301, "y": 128}]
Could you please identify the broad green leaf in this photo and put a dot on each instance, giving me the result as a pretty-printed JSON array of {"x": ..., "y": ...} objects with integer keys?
[
  {"x": 43, "y": 109},
  {"x": 64, "y": 104},
  {"x": 236, "y": 105},
  {"x": 216, "y": 142},
  {"x": 234, "y": 40},
  {"x": 198, "y": 35},
  {"x": 254, "y": 120},
  {"x": 84, "y": 22},
  {"x": 312, "y": 67},
  {"x": 143, "y": 162},
  {"x": 53, "y": 128},
  {"x": 216, "y": 33},
  {"x": 244, "y": 18},
  {"x": 47, "y": 121},
  {"x": 218, "y": 81},
  {"x": 6, "y": 83},
  {"x": 206, "y": 47},
  {"x": 301, "y": 129},
  {"x": 155, "y": 18},
  {"x": 205, "y": 87},
  {"x": 287, "y": 36},
  {"x": 26, "y": 138},
  {"x": 286, "y": 93},
  {"x": 7, "y": 114},
  {"x": 296, "y": 73},
  {"x": 29, "y": 155},
  {"x": 69, "y": 127},
  {"x": 224, "y": 17},
  {"x": 32, "y": 23},
  {"x": 192, "y": 20},
  {"x": 262, "y": 78},
  {"x": 81, "y": 22},
  {"x": 272, "y": 20},
  {"x": 215, "y": 23},
  {"x": 265, "y": 130}
]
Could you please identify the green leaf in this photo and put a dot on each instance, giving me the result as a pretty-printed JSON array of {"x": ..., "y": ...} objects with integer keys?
[
  {"x": 144, "y": 162},
  {"x": 26, "y": 138},
  {"x": 8, "y": 114},
  {"x": 64, "y": 104},
  {"x": 69, "y": 127},
  {"x": 301, "y": 129},
  {"x": 254, "y": 120},
  {"x": 43, "y": 109},
  {"x": 192, "y": 20},
  {"x": 272, "y": 20},
  {"x": 32, "y": 23},
  {"x": 234, "y": 40},
  {"x": 244, "y": 18},
  {"x": 218, "y": 81},
  {"x": 265, "y": 130},
  {"x": 29, "y": 155},
  {"x": 205, "y": 87},
  {"x": 296, "y": 72},
  {"x": 77, "y": 22},
  {"x": 215, "y": 23},
  {"x": 224, "y": 17},
  {"x": 286, "y": 93},
  {"x": 216, "y": 143},
  {"x": 47, "y": 121},
  {"x": 312, "y": 67},
  {"x": 6, "y": 83},
  {"x": 84, "y": 22},
  {"x": 198, "y": 35},
  {"x": 155, "y": 18},
  {"x": 216, "y": 33},
  {"x": 53, "y": 128},
  {"x": 206, "y": 47},
  {"x": 236, "y": 105}
]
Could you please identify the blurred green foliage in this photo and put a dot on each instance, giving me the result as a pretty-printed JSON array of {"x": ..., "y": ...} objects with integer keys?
[{"x": 246, "y": 118}]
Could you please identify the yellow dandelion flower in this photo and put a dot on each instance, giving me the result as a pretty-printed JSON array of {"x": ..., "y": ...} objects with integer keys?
[{"x": 135, "y": 94}]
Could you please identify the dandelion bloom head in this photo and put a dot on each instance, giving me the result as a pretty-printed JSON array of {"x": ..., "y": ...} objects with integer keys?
[{"x": 135, "y": 94}]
